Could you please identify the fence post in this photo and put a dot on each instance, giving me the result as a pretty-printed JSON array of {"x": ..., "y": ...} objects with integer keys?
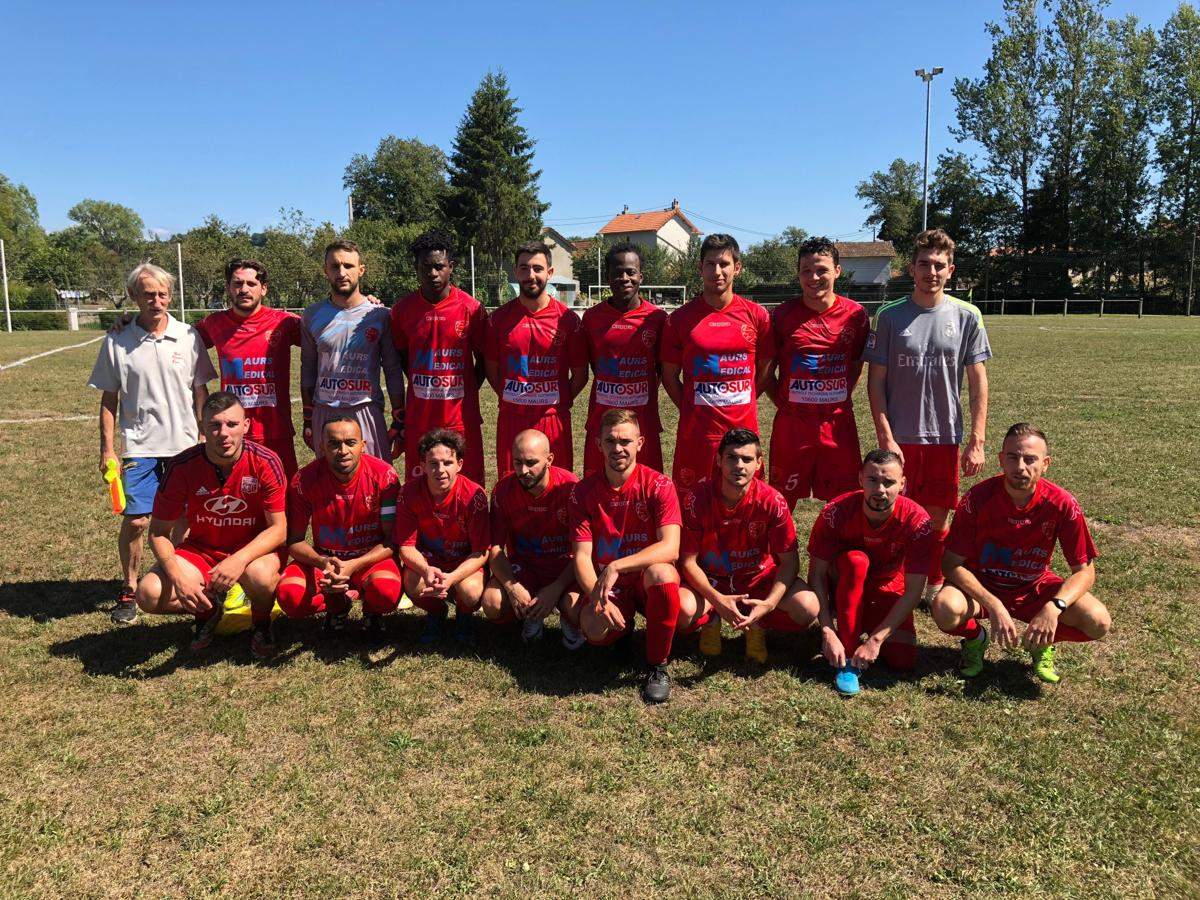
[
  {"x": 1002, "y": 296},
  {"x": 1141, "y": 299},
  {"x": 1064, "y": 307},
  {"x": 1102, "y": 306}
]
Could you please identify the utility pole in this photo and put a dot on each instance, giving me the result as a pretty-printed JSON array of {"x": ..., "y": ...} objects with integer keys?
[{"x": 927, "y": 77}]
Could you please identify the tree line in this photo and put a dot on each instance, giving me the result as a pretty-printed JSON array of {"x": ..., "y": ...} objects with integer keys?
[{"x": 1087, "y": 168}]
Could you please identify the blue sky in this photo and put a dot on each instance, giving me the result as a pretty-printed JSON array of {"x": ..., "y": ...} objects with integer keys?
[{"x": 758, "y": 116}]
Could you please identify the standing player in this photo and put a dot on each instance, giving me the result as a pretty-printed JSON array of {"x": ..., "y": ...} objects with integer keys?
[
  {"x": 819, "y": 340},
  {"x": 231, "y": 493},
  {"x": 739, "y": 552},
  {"x": 442, "y": 536},
  {"x": 721, "y": 344},
  {"x": 536, "y": 361},
  {"x": 153, "y": 377},
  {"x": 625, "y": 526},
  {"x": 438, "y": 331},
  {"x": 998, "y": 562},
  {"x": 623, "y": 337},
  {"x": 918, "y": 353},
  {"x": 344, "y": 342},
  {"x": 350, "y": 498},
  {"x": 530, "y": 560},
  {"x": 868, "y": 555}
]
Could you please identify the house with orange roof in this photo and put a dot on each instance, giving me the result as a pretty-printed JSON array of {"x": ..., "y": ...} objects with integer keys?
[{"x": 667, "y": 228}]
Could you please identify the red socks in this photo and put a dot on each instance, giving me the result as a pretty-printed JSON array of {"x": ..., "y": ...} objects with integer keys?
[
  {"x": 381, "y": 595},
  {"x": 848, "y": 598},
  {"x": 662, "y": 613},
  {"x": 935, "y": 557}
]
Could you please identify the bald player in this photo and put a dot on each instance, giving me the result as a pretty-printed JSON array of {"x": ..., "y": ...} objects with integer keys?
[{"x": 530, "y": 560}]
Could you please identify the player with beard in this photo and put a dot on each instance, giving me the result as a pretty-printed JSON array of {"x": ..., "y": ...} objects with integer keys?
[
  {"x": 344, "y": 342},
  {"x": 739, "y": 553},
  {"x": 536, "y": 361},
  {"x": 623, "y": 336},
  {"x": 530, "y": 559},
  {"x": 625, "y": 526},
  {"x": 350, "y": 498},
  {"x": 231, "y": 492},
  {"x": 438, "y": 331},
  {"x": 442, "y": 536},
  {"x": 997, "y": 562},
  {"x": 868, "y": 555},
  {"x": 819, "y": 339},
  {"x": 716, "y": 359}
]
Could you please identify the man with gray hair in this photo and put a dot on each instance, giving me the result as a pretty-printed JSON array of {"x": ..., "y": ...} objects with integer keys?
[{"x": 153, "y": 377}]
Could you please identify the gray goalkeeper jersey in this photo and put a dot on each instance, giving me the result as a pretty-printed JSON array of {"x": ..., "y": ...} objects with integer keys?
[{"x": 342, "y": 352}]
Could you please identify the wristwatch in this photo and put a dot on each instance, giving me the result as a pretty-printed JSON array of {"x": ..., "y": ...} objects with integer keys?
[{"x": 1060, "y": 604}]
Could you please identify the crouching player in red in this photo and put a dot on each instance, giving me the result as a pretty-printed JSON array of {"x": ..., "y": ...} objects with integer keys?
[
  {"x": 997, "y": 562},
  {"x": 442, "y": 534},
  {"x": 868, "y": 558},
  {"x": 350, "y": 498},
  {"x": 739, "y": 551},
  {"x": 232, "y": 494},
  {"x": 530, "y": 560},
  {"x": 625, "y": 527}
]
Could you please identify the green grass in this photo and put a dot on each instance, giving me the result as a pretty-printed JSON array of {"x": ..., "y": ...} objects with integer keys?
[{"x": 130, "y": 768}]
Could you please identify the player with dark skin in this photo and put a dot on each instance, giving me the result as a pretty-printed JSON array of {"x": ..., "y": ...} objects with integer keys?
[{"x": 435, "y": 280}]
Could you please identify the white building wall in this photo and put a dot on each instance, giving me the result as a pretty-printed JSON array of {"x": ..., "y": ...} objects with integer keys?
[
  {"x": 674, "y": 237},
  {"x": 868, "y": 269}
]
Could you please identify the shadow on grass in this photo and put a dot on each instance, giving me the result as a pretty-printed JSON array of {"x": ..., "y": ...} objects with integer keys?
[{"x": 43, "y": 601}]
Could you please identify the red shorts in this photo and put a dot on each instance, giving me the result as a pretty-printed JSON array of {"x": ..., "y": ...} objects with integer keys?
[
  {"x": 556, "y": 428},
  {"x": 820, "y": 457},
  {"x": 533, "y": 580},
  {"x": 1025, "y": 602},
  {"x": 472, "y": 460},
  {"x": 696, "y": 458},
  {"x": 649, "y": 456},
  {"x": 931, "y": 471},
  {"x": 204, "y": 560},
  {"x": 285, "y": 449}
]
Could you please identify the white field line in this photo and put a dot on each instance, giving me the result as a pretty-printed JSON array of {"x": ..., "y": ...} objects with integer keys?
[{"x": 21, "y": 362}]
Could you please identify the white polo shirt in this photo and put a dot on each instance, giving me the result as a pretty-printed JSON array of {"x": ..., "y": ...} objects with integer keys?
[{"x": 153, "y": 377}]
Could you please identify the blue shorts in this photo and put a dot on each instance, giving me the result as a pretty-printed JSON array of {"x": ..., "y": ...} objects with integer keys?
[{"x": 141, "y": 476}]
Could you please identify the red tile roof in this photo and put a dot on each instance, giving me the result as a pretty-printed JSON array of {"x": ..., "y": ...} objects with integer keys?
[
  {"x": 627, "y": 223},
  {"x": 859, "y": 249}
]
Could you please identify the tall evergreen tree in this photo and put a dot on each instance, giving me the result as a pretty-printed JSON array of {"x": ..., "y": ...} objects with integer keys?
[{"x": 493, "y": 200}]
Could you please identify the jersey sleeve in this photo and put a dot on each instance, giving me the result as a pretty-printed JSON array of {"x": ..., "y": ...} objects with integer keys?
[
  {"x": 878, "y": 341},
  {"x": 105, "y": 376},
  {"x": 664, "y": 503},
  {"x": 1074, "y": 537},
  {"x": 671, "y": 352},
  {"x": 781, "y": 532},
  {"x": 203, "y": 330},
  {"x": 862, "y": 331},
  {"x": 918, "y": 552},
  {"x": 577, "y": 349},
  {"x": 478, "y": 531},
  {"x": 289, "y": 328},
  {"x": 393, "y": 367},
  {"x": 477, "y": 329},
  {"x": 170, "y": 503},
  {"x": 764, "y": 345},
  {"x": 299, "y": 510},
  {"x": 499, "y": 519},
  {"x": 961, "y": 540},
  {"x": 389, "y": 497},
  {"x": 308, "y": 354},
  {"x": 823, "y": 539},
  {"x": 977, "y": 346},
  {"x": 204, "y": 368},
  {"x": 692, "y": 535},
  {"x": 491, "y": 340},
  {"x": 407, "y": 524},
  {"x": 581, "y": 525},
  {"x": 399, "y": 338},
  {"x": 275, "y": 485}
]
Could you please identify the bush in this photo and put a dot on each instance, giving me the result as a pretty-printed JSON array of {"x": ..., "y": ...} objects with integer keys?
[
  {"x": 41, "y": 296},
  {"x": 42, "y": 320}
]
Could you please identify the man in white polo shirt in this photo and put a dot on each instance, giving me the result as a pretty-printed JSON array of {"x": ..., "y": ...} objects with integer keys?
[{"x": 154, "y": 377}]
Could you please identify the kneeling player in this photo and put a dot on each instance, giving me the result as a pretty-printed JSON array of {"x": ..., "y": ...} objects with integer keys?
[
  {"x": 625, "y": 526},
  {"x": 442, "y": 535},
  {"x": 530, "y": 560},
  {"x": 997, "y": 562},
  {"x": 868, "y": 555},
  {"x": 350, "y": 497},
  {"x": 232, "y": 493},
  {"x": 739, "y": 551}
]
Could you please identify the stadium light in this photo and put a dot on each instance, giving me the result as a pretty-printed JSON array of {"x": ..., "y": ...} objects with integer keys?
[{"x": 927, "y": 77}]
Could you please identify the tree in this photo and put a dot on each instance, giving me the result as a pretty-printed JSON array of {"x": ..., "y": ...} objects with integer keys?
[
  {"x": 206, "y": 249},
  {"x": 493, "y": 197},
  {"x": 962, "y": 203},
  {"x": 1005, "y": 110},
  {"x": 117, "y": 228},
  {"x": 404, "y": 182},
  {"x": 894, "y": 203},
  {"x": 20, "y": 228},
  {"x": 774, "y": 260}
]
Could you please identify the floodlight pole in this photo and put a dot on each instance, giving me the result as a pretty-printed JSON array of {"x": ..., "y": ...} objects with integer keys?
[
  {"x": 927, "y": 77},
  {"x": 4, "y": 271},
  {"x": 179, "y": 262},
  {"x": 1191, "y": 272}
]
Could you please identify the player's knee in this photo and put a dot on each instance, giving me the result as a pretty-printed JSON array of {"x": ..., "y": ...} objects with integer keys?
[
  {"x": 290, "y": 594},
  {"x": 261, "y": 577},
  {"x": 948, "y": 608},
  {"x": 381, "y": 594},
  {"x": 1098, "y": 622},
  {"x": 660, "y": 573},
  {"x": 135, "y": 526},
  {"x": 148, "y": 593},
  {"x": 492, "y": 602},
  {"x": 801, "y": 604}
]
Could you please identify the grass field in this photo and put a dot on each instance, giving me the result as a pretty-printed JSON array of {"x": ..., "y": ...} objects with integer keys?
[{"x": 129, "y": 768}]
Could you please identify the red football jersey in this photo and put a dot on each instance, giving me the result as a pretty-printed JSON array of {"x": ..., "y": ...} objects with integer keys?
[
  {"x": 717, "y": 353},
  {"x": 256, "y": 364},
  {"x": 535, "y": 353},
  {"x": 347, "y": 519},
  {"x": 903, "y": 543},
  {"x": 224, "y": 513},
  {"x": 622, "y": 521},
  {"x": 534, "y": 531},
  {"x": 1007, "y": 547},
  {"x": 440, "y": 340},
  {"x": 446, "y": 531},
  {"x": 815, "y": 352},
  {"x": 624, "y": 349},
  {"x": 736, "y": 547}
]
